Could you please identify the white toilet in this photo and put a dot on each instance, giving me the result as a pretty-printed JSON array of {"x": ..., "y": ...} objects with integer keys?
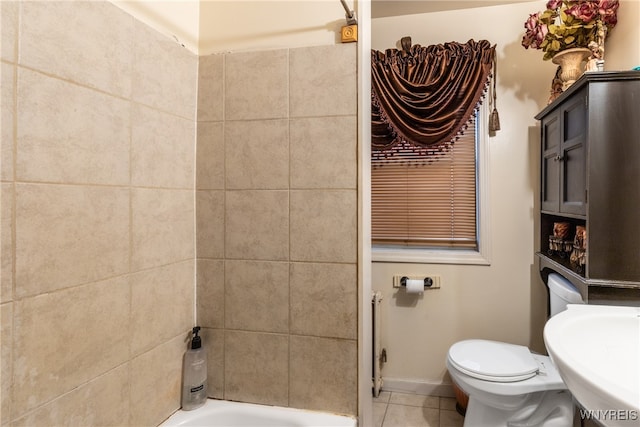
[{"x": 507, "y": 384}]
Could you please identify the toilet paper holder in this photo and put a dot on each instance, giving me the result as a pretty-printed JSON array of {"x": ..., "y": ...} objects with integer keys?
[{"x": 430, "y": 282}]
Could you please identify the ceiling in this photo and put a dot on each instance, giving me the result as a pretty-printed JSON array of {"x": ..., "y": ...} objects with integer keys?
[{"x": 386, "y": 8}]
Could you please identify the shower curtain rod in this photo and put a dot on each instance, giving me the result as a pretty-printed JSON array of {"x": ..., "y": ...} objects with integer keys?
[{"x": 350, "y": 14}]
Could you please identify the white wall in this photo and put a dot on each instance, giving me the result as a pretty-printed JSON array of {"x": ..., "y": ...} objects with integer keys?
[
  {"x": 208, "y": 26},
  {"x": 214, "y": 26},
  {"x": 258, "y": 25},
  {"x": 176, "y": 19},
  {"x": 623, "y": 43},
  {"x": 504, "y": 301}
]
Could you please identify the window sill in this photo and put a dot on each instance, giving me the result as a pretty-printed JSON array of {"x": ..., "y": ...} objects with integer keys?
[{"x": 429, "y": 256}]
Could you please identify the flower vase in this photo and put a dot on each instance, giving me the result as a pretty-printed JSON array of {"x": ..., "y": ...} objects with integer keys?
[{"x": 571, "y": 63}]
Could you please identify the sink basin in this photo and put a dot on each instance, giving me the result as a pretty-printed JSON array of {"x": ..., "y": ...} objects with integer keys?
[{"x": 596, "y": 349}]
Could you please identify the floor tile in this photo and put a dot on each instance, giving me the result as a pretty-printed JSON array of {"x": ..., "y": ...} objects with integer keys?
[
  {"x": 415, "y": 400},
  {"x": 379, "y": 410},
  {"x": 451, "y": 419},
  {"x": 383, "y": 397},
  {"x": 395, "y": 409},
  {"x": 448, "y": 403},
  {"x": 411, "y": 416}
]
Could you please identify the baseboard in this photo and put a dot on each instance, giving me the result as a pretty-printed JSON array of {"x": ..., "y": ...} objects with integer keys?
[{"x": 417, "y": 387}]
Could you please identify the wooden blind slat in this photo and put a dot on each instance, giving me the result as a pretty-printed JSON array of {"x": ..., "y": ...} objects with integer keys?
[{"x": 432, "y": 204}]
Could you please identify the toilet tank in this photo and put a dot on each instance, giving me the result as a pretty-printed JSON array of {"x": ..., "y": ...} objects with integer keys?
[{"x": 561, "y": 293}]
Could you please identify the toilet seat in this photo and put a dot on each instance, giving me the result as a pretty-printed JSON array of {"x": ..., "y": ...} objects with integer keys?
[{"x": 493, "y": 361}]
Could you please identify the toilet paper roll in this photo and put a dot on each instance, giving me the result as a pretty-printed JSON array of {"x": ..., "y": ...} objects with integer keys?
[{"x": 415, "y": 286}]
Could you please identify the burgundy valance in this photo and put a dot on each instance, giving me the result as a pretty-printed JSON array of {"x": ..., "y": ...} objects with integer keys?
[{"x": 424, "y": 96}]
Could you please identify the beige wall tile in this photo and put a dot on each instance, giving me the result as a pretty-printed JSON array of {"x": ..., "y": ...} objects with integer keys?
[
  {"x": 210, "y": 156},
  {"x": 165, "y": 75},
  {"x": 324, "y": 225},
  {"x": 213, "y": 340},
  {"x": 100, "y": 58},
  {"x": 324, "y": 300},
  {"x": 324, "y": 374},
  {"x": 257, "y": 225},
  {"x": 7, "y": 115},
  {"x": 257, "y": 154},
  {"x": 103, "y": 401},
  {"x": 77, "y": 334},
  {"x": 327, "y": 90},
  {"x": 69, "y": 235},
  {"x": 210, "y": 87},
  {"x": 6, "y": 376},
  {"x": 82, "y": 140},
  {"x": 162, "y": 227},
  {"x": 210, "y": 292},
  {"x": 210, "y": 223},
  {"x": 323, "y": 152},
  {"x": 257, "y": 296},
  {"x": 162, "y": 301},
  {"x": 256, "y": 367},
  {"x": 6, "y": 239},
  {"x": 9, "y": 25},
  {"x": 256, "y": 85},
  {"x": 156, "y": 383},
  {"x": 162, "y": 149}
]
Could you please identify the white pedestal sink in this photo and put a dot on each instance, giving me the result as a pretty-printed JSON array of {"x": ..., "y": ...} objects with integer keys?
[{"x": 596, "y": 349}]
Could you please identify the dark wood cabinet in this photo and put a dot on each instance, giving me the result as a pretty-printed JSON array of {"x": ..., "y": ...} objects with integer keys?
[
  {"x": 590, "y": 177},
  {"x": 564, "y": 157}
]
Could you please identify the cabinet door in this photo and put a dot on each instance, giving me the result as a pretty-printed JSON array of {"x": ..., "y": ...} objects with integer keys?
[
  {"x": 572, "y": 156},
  {"x": 550, "y": 189}
]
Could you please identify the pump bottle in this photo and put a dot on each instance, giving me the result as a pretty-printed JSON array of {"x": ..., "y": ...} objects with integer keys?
[{"x": 194, "y": 376}]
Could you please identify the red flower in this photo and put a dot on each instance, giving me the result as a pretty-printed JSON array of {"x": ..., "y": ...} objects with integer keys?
[
  {"x": 584, "y": 11},
  {"x": 554, "y": 4},
  {"x": 536, "y": 31},
  {"x": 608, "y": 11}
]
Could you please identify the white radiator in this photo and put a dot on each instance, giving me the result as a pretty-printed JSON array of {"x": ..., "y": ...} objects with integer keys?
[{"x": 379, "y": 354}]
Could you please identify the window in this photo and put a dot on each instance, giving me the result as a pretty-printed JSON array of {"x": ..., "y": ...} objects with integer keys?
[{"x": 433, "y": 211}]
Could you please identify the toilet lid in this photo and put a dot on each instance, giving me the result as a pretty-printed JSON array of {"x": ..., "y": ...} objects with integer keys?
[{"x": 493, "y": 361}]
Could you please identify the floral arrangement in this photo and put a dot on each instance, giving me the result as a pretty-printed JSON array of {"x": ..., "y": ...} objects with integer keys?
[{"x": 567, "y": 24}]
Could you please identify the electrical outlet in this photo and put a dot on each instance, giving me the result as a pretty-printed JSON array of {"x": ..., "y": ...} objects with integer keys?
[{"x": 435, "y": 280}]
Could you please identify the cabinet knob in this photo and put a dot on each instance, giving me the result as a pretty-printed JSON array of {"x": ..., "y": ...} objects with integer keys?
[{"x": 558, "y": 158}]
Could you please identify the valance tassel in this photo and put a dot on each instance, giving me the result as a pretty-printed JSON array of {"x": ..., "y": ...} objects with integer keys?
[{"x": 494, "y": 118}]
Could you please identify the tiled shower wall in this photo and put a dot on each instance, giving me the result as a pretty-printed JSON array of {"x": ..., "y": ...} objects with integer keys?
[
  {"x": 98, "y": 137},
  {"x": 277, "y": 226},
  {"x": 98, "y": 250}
]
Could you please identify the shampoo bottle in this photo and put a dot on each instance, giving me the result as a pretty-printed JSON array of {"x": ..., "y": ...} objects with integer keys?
[{"x": 194, "y": 376}]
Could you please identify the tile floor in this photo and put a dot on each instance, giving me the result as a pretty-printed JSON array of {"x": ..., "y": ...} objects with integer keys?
[{"x": 393, "y": 409}]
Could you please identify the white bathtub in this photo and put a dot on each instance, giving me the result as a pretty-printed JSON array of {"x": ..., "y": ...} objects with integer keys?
[{"x": 222, "y": 413}]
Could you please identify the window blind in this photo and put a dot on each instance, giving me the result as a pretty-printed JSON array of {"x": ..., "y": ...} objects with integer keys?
[{"x": 422, "y": 203}]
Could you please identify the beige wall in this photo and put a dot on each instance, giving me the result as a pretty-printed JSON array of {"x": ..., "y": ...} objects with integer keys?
[
  {"x": 206, "y": 27},
  {"x": 258, "y": 25},
  {"x": 506, "y": 300},
  {"x": 178, "y": 20},
  {"x": 98, "y": 145},
  {"x": 277, "y": 226},
  {"x": 623, "y": 45}
]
